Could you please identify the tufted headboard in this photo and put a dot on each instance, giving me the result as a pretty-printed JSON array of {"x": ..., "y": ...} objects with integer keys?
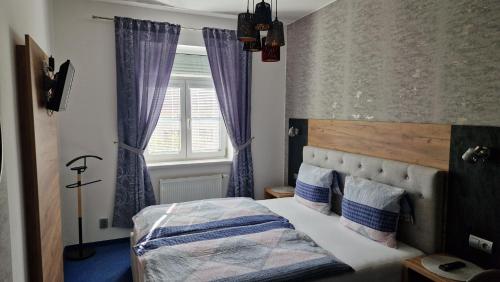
[{"x": 425, "y": 186}]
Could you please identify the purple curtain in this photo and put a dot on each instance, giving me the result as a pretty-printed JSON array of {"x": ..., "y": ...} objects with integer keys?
[
  {"x": 145, "y": 53},
  {"x": 231, "y": 70}
]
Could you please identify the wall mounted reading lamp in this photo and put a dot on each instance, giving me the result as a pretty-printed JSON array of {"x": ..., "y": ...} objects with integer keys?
[
  {"x": 293, "y": 131},
  {"x": 476, "y": 154}
]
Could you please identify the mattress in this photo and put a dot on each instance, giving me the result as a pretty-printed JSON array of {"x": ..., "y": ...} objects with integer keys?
[{"x": 370, "y": 260}]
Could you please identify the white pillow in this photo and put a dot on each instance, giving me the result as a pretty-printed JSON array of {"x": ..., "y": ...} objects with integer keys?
[
  {"x": 313, "y": 187},
  {"x": 371, "y": 209}
]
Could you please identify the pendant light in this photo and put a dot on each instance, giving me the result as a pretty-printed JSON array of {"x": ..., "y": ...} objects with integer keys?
[
  {"x": 276, "y": 34},
  {"x": 246, "y": 26},
  {"x": 270, "y": 53},
  {"x": 253, "y": 46},
  {"x": 263, "y": 16}
]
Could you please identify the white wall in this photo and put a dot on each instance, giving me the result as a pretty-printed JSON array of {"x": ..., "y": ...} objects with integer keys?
[
  {"x": 17, "y": 18},
  {"x": 268, "y": 122},
  {"x": 89, "y": 125}
]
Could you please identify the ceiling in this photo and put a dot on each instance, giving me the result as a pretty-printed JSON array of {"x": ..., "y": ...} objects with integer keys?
[{"x": 288, "y": 10}]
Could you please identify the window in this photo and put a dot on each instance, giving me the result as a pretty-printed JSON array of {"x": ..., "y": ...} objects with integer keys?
[{"x": 190, "y": 126}]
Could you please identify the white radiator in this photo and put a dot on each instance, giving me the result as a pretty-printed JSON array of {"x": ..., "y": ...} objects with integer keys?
[{"x": 178, "y": 190}]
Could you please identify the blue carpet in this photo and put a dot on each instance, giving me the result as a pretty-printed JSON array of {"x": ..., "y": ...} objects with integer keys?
[{"x": 110, "y": 263}]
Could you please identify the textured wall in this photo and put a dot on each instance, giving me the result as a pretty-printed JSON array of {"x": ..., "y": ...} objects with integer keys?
[
  {"x": 397, "y": 60},
  {"x": 5, "y": 266}
]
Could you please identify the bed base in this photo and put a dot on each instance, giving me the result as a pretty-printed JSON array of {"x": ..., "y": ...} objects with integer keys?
[{"x": 135, "y": 263}]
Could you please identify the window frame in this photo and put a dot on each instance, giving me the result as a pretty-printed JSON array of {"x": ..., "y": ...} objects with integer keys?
[
  {"x": 202, "y": 83},
  {"x": 185, "y": 154},
  {"x": 158, "y": 158}
]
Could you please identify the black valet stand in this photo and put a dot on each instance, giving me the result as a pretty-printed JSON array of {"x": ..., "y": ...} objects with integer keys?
[{"x": 80, "y": 252}]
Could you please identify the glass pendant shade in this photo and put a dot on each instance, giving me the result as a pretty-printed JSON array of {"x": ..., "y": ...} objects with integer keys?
[
  {"x": 263, "y": 16},
  {"x": 276, "y": 34},
  {"x": 246, "y": 27},
  {"x": 254, "y": 46},
  {"x": 270, "y": 53}
]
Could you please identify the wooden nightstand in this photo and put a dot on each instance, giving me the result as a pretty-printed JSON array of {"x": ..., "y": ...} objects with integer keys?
[
  {"x": 414, "y": 271},
  {"x": 278, "y": 192}
]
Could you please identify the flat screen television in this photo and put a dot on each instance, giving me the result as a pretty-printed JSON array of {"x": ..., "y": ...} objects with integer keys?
[{"x": 61, "y": 87}]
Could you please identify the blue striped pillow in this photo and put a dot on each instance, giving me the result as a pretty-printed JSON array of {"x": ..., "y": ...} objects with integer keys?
[
  {"x": 313, "y": 187},
  {"x": 371, "y": 209}
]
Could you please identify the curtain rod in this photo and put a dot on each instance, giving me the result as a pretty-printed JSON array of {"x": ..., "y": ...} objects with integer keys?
[{"x": 112, "y": 19}]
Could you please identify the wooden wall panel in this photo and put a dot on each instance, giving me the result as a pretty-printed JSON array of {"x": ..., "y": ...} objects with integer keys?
[
  {"x": 423, "y": 144},
  {"x": 40, "y": 168}
]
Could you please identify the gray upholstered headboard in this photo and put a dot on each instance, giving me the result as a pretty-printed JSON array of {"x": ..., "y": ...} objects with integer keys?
[{"x": 425, "y": 186}]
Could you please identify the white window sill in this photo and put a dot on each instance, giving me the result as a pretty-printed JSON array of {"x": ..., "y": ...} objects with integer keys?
[{"x": 189, "y": 163}]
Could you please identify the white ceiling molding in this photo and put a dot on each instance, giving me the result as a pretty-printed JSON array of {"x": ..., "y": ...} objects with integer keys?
[
  {"x": 288, "y": 10},
  {"x": 150, "y": 5},
  {"x": 312, "y": 12}
]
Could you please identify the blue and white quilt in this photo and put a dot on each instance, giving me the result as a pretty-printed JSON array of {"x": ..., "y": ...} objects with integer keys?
[{"x": 233, "y": 239}]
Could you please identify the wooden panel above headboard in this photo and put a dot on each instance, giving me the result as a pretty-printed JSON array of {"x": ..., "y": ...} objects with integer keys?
[{"x": 422, "y": 144}]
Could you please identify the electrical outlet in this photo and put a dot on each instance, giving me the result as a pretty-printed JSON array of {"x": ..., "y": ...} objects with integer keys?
[
  {"x": 480, "y": 244},
  {"x": 103, "y": 223}
]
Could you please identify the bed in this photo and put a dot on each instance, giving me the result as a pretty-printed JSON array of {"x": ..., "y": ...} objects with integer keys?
[{"x": 369, "y": 260}]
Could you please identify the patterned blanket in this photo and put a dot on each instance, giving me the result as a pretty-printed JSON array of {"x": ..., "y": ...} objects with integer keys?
[{"x": 233, "y": 239}]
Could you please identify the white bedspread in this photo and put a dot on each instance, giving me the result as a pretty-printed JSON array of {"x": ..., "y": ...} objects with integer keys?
[{"x": 370, "y": 260}]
